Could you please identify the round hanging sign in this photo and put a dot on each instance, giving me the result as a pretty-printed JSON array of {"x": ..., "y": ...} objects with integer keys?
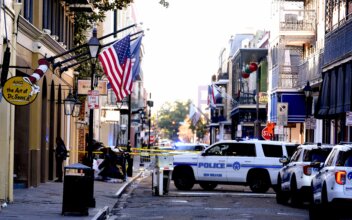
[{"x": 16, "y": 91}]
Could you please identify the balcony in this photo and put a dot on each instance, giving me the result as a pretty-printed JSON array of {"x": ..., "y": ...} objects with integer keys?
[
  {"x": 285, "y": 77},
  {"x": 310, "y": 70},
  {"x": 298, "y": 26},
  {"x": 338, "y": 43}
]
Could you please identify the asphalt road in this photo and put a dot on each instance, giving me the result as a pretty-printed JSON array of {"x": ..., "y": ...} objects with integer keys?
[{"x": 225, "y": 202}]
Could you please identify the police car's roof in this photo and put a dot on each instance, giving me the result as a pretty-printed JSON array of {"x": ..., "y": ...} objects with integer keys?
[
  {"x": 256, "y": 141},
  {"x": 315, "y": 146},
  {"x": 344, "y": 147}
]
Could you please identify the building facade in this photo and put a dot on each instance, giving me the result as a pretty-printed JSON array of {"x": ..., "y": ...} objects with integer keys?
[{"x": 30, "y": 31}]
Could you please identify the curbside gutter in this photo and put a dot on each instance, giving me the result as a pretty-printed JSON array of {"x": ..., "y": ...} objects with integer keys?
[{"x": 104, "y": 212}]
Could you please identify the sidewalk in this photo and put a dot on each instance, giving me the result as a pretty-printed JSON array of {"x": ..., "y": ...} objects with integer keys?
[{"x": 45, "y": 201}]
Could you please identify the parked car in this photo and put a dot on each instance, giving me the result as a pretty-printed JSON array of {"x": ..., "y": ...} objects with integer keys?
[
  {"x": 295, "y": 177},
  {"x": 246, "y": 162},
  {"x": 333, "y": 183}
]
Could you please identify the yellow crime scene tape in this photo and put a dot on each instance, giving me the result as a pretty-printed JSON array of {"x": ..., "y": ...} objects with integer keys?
[{"x": 143, "y": 151}]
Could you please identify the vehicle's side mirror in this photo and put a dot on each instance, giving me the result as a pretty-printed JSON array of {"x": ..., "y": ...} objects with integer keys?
[
  {"x": 317, "y": 164},
  {"x": 204, "y": 154},
  {"x": 284, "y": 160}
]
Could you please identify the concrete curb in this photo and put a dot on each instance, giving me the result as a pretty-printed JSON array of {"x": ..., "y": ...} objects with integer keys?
[{"x": 104, "y": 212}]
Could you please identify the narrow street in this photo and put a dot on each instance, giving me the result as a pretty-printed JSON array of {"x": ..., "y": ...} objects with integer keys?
[{"x": 225, "y": 202}]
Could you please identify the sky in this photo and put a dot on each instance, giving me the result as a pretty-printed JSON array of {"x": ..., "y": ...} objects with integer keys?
[{"x": 182, "y": 43}]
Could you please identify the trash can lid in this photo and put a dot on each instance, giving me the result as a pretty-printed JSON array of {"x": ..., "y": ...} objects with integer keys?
[{"x": 77, "y": 166}]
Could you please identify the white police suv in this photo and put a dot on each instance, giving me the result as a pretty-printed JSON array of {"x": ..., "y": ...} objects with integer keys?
[
  {"x": 295, "y": 177},
  {"x": 333, "y": 183},
  {"x": 249, "y": 162}
]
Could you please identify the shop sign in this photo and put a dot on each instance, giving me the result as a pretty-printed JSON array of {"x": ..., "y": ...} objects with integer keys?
[
  {"x": 263, "y": 97},
  {"x": 16, "y": 91},
  {"x": 84, "y": 86}
]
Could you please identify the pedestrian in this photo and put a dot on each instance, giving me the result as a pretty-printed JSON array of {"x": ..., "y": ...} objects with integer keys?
[{"x": 60, "y": 156}]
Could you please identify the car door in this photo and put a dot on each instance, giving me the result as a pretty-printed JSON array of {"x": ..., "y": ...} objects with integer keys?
[
  {"x": 212, "y": 163},
  {"x": 321, "y": 176},
  {"x": 240, "y": 159},
  {"x": 287, "y": 170}
]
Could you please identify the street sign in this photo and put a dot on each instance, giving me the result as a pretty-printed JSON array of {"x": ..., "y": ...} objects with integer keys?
[
  {"x": 93, "y": 99},
  {"x": 266, "y": 134},
  {"x": 310, "y": 123},
  {"x": 282, "y": 113},
  {"x": 348, "y": 118}
]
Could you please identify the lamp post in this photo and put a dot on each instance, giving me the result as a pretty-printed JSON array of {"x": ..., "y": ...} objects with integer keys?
[
  {"x": 123, "y": 128},
  {"x": 150, "y": 104},
  {"x": 141, "y": 114},
  {"x": 308, "y": 93},
  {"x": 93, "y": 44}
]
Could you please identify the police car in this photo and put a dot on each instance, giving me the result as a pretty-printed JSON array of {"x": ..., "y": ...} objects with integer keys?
[
  {"x": 248, "y": 162},
  {"x": 295, "y": 177},
  {"x": 333, "y": 183}
]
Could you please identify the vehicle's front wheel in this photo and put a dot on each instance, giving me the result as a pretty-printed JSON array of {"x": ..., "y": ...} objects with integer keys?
[
  {"x": 208, "y": 185},
  {"x": 281, "y": 196},
  {"x": 184, "y": 179},
  {"x": 258, "y": 182},
  {"x": 296, "y": 198}
]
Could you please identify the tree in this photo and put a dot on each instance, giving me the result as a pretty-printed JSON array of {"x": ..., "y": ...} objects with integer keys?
[{"x": 171, "y": 116}]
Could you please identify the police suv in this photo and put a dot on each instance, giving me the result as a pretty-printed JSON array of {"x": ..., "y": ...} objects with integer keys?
[
  {"x": 248, "y": 162},
  {"x": 333, "y": 183},
  {"x": 295, "y": 177}
]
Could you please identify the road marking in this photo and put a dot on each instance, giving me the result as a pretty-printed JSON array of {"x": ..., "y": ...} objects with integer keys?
[
  {"x": 219, "y": 209},
  {"x": 261, "y": 195},
  {"x": 179, "y": 201}
]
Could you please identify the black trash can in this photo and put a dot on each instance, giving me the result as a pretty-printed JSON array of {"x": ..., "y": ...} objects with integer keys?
[{"x": 76, "y": 196}]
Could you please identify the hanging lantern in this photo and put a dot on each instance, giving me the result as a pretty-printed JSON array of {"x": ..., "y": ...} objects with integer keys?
[
  {"x": 245, "y": 75},
  {"x": 247, "y": 70},
  {"x": 253, "y": 67}
]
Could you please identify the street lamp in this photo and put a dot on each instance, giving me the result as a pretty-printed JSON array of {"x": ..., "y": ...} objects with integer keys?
[
  {"x": 150, "y": 104},
  {"x": 308, "y": 91},
  {"x": 69, "y": 104},
  {"x": 141, "y": 114},
  {"x": 93, "y": 45},
  {"x": 123, "y": 128},
  {"x": 76, "y": 108}
]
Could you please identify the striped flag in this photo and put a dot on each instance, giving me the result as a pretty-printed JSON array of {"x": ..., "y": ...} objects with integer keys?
[{"x": 117, "y": 65}]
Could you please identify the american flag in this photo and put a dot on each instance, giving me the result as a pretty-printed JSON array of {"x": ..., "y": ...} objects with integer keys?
[
  {"x": 211, "y": 97},
  {"x": 117, "y": 65}
]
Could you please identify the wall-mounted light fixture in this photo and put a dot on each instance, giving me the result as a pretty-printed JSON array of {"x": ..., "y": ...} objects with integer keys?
[{"x": 72, "y": 105}]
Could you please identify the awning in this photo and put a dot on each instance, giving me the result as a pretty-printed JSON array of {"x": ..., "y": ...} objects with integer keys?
[
  {"x": 324, "y": 97},
  {"x": 347, "y": 93},
  {"x": 296, "y": 106},
  {"x": 335, "y": 94}
]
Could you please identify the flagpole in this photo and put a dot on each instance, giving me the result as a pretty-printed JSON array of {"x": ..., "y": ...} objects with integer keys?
[
  {"x": 129, "y": 158},
  {"x": 51, "y": 59},
  {"x": 206, "y": 117}
]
